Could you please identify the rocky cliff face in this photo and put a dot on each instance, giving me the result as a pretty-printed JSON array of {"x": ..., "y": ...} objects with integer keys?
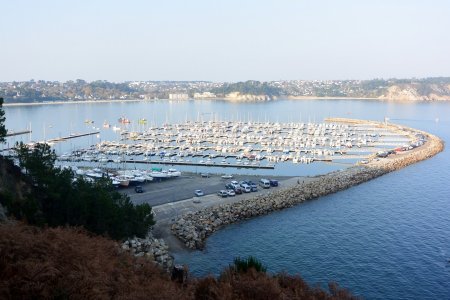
[
  {"x": 236, "y": 96},
  {"x": 413, "y": 92}
]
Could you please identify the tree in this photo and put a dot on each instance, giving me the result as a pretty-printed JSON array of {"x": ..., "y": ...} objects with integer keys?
[
  {"x": 37, "y": 161},
  {"x": 60, "y": 198},
  {"x": 2, "y": 122}
]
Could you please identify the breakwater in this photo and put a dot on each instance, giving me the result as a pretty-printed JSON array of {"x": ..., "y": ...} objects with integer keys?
[
  {"x": 193, "y": 228},
  {"x": 153, "y": 249}
]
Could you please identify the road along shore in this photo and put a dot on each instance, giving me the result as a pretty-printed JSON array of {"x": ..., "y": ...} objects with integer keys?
[{"x": 193, "y": 228}]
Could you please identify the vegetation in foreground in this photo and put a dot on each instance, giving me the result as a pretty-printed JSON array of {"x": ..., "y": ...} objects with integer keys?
[
  {"x": 51, "y": 196},
  {"x": 68, "y": 263}
]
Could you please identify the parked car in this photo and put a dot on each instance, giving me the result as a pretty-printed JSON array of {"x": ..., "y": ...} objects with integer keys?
[
  {"x": 205, "y": 175},
  {"x": 229, "y": 186},
  {"x": 246, "y": 188},
  {"x": 138, "y": 189},
  {"x": 222, "y": 193},
  {"x": 241, "y": 183},
  {"x": 231, "y": 193},
  {"x": 273, "y": 182},
  {"x": 199, "y": 193},
  {"x": 237, "y": 190},
  {"x": 265, "y": 183},
  {"x": 227, "y": 176}
]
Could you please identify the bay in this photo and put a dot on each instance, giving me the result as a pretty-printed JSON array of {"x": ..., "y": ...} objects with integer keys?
[{"x": 385, "y": 239}]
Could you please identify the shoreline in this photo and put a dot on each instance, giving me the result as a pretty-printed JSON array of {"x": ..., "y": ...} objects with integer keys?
[
  {"x": 407, "y": 101},
  {"x": 193, "y": 228},
  {"x": 72, "y": 102},
  {"x": 367, "y": 98}
]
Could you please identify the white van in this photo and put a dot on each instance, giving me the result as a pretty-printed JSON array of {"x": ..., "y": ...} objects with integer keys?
[
  {"x": 265, "y": 183},
  {"x": 246, "y": 188}
]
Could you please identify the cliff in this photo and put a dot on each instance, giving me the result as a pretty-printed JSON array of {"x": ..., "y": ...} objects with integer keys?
[
  {"x": 415, "y": 92},
  {"x": 237, "y": 96}
]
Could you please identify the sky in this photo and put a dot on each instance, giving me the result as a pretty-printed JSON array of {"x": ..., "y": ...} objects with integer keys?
[{"x": 218, "y": 40}]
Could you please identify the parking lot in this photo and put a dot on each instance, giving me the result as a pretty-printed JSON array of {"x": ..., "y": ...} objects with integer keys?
[{"x": 183, "y": 187}]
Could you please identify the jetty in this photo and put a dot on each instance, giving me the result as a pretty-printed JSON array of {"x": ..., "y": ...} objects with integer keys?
[
  {"x": 14, "y": 133},
  {"x": 72, "y": 136}
]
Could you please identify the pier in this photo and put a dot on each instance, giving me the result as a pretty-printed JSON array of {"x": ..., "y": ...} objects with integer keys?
[
  {"x": 12, "y": 133},
  {"x": 198, "y": 164},
  {"x": 72, "y": 136}
]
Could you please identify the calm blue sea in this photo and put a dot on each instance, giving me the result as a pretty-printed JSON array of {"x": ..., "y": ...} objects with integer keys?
[{"x": 385, "y": 239}]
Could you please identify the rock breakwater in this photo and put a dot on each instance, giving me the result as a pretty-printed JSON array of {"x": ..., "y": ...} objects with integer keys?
[
  {"x": 151, "y": 248},
  {"x": 193, "y": 228}
]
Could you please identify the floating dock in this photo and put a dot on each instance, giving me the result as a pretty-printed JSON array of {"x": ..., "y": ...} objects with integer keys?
[
  {"x": 198, "y": 164},
  {"x": 12, "y": 133},
  {"x": 72, "y": 136}
]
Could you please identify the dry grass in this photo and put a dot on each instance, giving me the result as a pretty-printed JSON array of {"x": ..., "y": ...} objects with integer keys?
[{"x": 68, "y": 263}]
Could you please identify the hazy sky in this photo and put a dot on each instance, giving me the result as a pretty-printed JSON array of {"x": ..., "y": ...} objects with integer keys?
[{"x": 223, "y": 40}]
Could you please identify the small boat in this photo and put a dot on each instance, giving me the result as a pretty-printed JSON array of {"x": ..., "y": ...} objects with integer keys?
[
  {"x": 106, "y": 125},
  {"x": 159, "y": 174},
  {"x": 142, "y": 121},
  {"x": 87, "y": 121},
  {"x": 174, "y": 173},
  {"x": 124, "y": 120},
  {"x": 123, "y": 180}
]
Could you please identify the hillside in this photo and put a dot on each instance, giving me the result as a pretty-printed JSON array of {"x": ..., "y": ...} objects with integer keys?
[
  {"x": 417, "y": 92},
  {"x": 69, "y": 263},
  {"x": 425, "y": 89}
]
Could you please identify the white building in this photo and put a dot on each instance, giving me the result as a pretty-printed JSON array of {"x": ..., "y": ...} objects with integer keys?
[
  {"x": 178, "y": 96},
  {"x": 204, "y": 95}
]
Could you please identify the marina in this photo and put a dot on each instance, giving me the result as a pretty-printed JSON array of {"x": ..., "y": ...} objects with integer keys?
[{"x": 247, "y": 145}]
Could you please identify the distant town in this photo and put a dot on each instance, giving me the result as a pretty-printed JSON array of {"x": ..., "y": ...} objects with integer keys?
[{"x": 427, "y": 89}]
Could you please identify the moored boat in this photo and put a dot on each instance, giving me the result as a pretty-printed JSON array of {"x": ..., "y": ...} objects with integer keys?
[{"x": 124, "y": 120}]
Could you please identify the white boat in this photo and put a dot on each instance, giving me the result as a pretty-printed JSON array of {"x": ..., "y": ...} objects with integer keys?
[
  {"x": 79, "y": 172},
  {"x": 174, "y": 173},
  {"x": 147, "y": 177},
  {"x": 139, "y": 179},
  {"x": 159, "y": 175},
  {"x": 123, "y": 181},
  {"x": 94, "y": 174}
]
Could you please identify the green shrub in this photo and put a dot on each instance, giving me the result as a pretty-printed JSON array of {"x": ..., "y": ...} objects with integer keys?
[{"x": 244, "y": 265}]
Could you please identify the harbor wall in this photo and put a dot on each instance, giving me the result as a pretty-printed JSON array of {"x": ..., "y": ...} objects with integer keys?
[{"x": 193, "y": 228}]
